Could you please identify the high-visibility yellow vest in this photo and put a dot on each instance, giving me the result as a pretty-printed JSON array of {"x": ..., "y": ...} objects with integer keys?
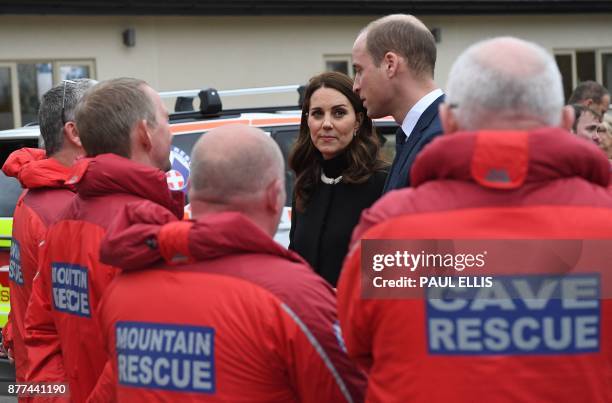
[{"x": 6, "y": 229}]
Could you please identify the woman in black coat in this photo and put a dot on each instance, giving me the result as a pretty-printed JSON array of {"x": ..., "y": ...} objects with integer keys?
[{"x": 338, "y": 172}]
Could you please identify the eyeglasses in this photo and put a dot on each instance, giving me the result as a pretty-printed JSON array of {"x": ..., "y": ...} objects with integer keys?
[{"x": 64, "y": 100}]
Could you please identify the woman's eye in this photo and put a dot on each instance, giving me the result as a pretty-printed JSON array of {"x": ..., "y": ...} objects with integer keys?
[
  {"x": 316, "y": 114},
  {"x": 339, "y": 113}
]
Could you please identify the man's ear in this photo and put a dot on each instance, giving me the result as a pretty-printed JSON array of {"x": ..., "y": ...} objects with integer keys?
[
  {"x": 71, "y": 134},
  {"x": 275, "y": 196},
  {"x": 143, "y": 136},
  {"x": 567, "y": 117},
  {"x": 448, "y": 118},
  {"x": 391, "y": 63}
]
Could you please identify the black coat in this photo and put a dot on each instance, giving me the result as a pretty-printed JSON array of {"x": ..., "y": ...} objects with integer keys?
[{"x": 322, "y": 232}]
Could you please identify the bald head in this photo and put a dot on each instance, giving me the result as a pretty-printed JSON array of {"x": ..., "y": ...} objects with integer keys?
[
  {"x": 501, "y": 54},
  {"x": 504, "y": 82},
  {"x": 234, "y": 162},
  {"x": 238, "y": 168},
  {"x": 399, "y": 19}
]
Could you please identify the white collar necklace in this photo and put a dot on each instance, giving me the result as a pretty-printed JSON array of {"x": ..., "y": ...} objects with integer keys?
[{"x": 330, "y": 181}]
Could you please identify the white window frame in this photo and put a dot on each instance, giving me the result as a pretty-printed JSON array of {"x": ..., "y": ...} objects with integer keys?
[
  {"x": 78, "y": 62},
  {"x": 599, "y": 66},
  {"x": 344, "y": 57},
  {"x": 56, "y": 64},
  {"x": 598, "y": 62},
  {"x": 14, "y": 91}
]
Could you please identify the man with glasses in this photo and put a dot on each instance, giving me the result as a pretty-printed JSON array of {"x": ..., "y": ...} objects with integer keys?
[
  {"x": 42, "y": 174},
  {"x": 123, "y": 126}
]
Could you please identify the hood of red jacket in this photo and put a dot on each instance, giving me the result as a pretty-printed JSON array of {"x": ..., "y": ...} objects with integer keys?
[
  {"x": 109, "y": 173},
  {"x": 145, "y": 234},
  {"x": 508, "y": 159},
  {"x": 34, "y": 170}
]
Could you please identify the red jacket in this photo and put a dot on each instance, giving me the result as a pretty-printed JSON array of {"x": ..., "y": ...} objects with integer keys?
[
  {"x": 71, "y": 280},
  {"x": 545, "y": 184},
  {"x": 242, "y": 319},
  {"x": 44, "y": 197}
]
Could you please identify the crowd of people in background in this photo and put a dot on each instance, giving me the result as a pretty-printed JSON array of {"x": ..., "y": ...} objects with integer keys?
[
  {"x": 113, "y": 293},
  {"x": 591, "y": 101}
]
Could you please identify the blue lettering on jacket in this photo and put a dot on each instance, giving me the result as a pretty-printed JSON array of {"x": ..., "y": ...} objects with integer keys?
[
  {"x": 519, "y": 315},
  {"x": 70, "y": 289},
  {"x": 166, "y": 356},
  {"x": 15, "y": 273}
]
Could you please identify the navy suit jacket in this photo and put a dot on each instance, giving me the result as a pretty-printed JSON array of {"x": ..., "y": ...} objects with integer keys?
[{"x": 427, "y": 128}]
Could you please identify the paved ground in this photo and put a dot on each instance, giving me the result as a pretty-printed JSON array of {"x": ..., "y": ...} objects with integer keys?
[{"x": 7, "y": 374}]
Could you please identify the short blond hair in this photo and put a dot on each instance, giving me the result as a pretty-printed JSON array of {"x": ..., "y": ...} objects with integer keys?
[{"x": 109, "y": 111}]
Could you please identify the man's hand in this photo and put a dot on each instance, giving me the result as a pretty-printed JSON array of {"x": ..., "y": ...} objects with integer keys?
[
  {"x": 10, "y": 356},
  {"x": 7, "y": 354}
]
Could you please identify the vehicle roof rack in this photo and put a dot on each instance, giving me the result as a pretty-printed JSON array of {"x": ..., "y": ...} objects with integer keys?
[{"x": 211, "y": 105}]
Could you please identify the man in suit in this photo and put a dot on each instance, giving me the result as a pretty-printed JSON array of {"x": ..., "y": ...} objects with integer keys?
[{"x": 394, "y": 59}]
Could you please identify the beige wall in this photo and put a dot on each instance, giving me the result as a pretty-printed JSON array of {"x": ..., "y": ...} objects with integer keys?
[
  {"x": 554, "y": 32},
  {"x": 176, "y": 53}
]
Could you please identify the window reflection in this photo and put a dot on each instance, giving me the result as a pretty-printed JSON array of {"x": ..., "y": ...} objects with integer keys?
[
  {"x": 6, "y": 99},
  {"x": 72, "y": 72},
  {"x": 34, "y": 80},
  {"x": 606, "y": 66}
]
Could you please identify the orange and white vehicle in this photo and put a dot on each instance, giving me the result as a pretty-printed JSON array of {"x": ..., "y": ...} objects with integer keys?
[{"x": 281, "y": 123}]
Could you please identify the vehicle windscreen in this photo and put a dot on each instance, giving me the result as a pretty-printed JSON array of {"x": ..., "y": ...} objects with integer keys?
[
  {"x": 10, "y": 189},
  {"x": 285, "y": 137},
  {"x": 182, "y": 145}
]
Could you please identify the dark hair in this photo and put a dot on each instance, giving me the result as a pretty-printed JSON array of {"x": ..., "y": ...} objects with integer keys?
[
  {"x": 50, "y": 119},
  {"x": 588, "y": 90},
  {"x": 580, "y": 109},
  {"x": 107, "y": 114},
  {"x": 362, "y": 153},
  {"x": 405, "y": 35}
]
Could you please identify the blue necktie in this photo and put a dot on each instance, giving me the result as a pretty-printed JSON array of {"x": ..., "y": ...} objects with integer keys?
[{"x": 400, "y": 140}]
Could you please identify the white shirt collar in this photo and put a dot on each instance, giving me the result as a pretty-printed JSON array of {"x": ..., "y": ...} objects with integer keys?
[{"x": 414, "y": 114}]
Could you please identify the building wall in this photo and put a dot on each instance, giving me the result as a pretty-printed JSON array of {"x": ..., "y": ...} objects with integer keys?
[{"x": 177, "y": 53}]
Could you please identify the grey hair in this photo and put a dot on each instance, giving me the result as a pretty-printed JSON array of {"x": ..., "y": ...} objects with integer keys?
[
  {"x": 50, "y": 116},
  {"x": 225, "y": 171},
  {"x": 481, "y": 88}
]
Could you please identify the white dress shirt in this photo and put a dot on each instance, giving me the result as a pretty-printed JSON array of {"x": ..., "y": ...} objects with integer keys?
[{"x": 414, "y": 114}]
